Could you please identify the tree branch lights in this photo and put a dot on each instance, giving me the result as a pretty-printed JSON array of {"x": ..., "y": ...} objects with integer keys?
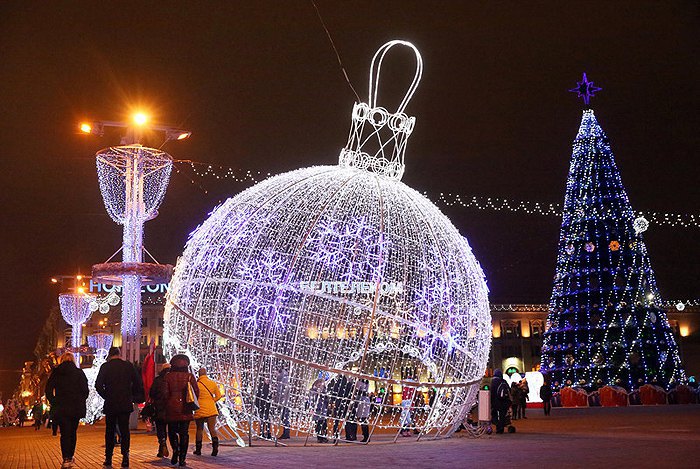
[
  {"x": 606, "y": 323},
  {"x": 339, "y": 274},
  {"x": 75, "y": 309},
  {"x": 133, "y": 180}
]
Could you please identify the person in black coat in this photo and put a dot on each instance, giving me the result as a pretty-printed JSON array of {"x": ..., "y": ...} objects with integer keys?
[
  {"x": 546, "y": 396},
  {"x": 157, "y": 396},
  {"x": 67, "y": 391},
  {"x": 500, "y": 400},
  {"x": 120, "y": 386}
]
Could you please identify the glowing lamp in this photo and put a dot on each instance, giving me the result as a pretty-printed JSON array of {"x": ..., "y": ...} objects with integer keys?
[
  {"x": 85, "y": 128},
  {"x": 140, "y": 118}
]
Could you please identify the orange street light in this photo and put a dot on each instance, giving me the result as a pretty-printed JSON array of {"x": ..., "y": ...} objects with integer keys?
[
  {"x": 85, "y": 128},
  {"x": 140, "y": 118}
]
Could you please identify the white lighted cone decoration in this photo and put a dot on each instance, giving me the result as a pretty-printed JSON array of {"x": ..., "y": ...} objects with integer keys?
[
  {"x": 101, "y": 343},
  {"x": 341, "y": 276},
  {"x": 133, "y": 180},
  {"x": 75, "y": 309}
]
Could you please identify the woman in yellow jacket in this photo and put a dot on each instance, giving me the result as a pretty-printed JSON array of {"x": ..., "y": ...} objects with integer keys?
[{"x": 209, "y": 394}]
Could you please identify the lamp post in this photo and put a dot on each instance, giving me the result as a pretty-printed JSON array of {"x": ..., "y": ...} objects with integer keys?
[{"x": 133, "y": 181}]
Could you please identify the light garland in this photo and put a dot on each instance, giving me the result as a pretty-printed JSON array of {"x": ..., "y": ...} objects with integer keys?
[
  {"x": 248, "y": 298},
  {"x": 75, "y": 309},
  {"x": 606, "y": 322},
  {"x": 94, "y": 403}
]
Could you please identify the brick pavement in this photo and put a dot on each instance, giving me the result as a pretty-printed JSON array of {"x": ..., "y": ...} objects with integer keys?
[{"x": 660, "y": 436}]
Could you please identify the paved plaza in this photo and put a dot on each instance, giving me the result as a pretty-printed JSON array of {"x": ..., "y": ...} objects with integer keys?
[{"x": 664, "y": 436}]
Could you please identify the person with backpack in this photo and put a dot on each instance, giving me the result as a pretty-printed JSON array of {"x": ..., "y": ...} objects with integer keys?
[
  {"x": 500, "y": 400},
  {"x": 546, "y": 396},
  {"x": 209, "y": 395}
]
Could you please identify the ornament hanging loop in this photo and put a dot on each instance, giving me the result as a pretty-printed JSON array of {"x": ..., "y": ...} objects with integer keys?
[
  {"x": 376, "y": 69},
  {"x": 377, "y": 140}
]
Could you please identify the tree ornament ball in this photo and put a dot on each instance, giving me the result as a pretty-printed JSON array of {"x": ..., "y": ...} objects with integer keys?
[{"x": 335, "y": 271}]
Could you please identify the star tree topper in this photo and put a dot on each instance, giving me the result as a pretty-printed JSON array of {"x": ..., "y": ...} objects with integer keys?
[{"x": 585, "y": 89}]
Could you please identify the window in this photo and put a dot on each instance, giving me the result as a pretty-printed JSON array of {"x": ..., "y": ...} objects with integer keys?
[
  {"x": 161, "y": 322},
  {"x": 510, "y": 329},
  {"x": 144, "y": 340},
  {"x": 160, "y": 340},
  {"x": 144, "y": 322},
  {"x": 537, "y": 328}
]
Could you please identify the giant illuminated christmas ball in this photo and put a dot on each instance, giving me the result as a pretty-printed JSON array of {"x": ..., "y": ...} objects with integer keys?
[{"x": 339, "y": 273}]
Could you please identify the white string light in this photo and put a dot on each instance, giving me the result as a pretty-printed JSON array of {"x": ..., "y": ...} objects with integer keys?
[{"x": 334, "y": 274}]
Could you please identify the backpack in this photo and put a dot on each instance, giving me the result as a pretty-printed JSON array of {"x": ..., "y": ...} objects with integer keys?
[{"x": 503, "y": 391}]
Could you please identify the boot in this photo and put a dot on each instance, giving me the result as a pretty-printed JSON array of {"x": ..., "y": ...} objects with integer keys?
[
  {"x": 108, "y": 460},
  {"x": 197, "y": 448},
  {"x": 125, "y": 460},
  {"x": 174, "y": 459},
  {"x": 182, "y": 450},
  {"x": 284, "y": 435},
  {"x": 215, "y": 446},
  {"x": 162, "y": 448}
]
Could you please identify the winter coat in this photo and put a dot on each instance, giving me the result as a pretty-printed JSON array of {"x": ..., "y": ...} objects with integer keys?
[
  {"x": 500, "y": 393},
  {"x": 546, "y": 392},
  {"x": 120, "y": 386},
  {"x": 318, "y": 402},
  {"x": 282, "y": 388},
  {"x": 67, "y": 391},
  {"x": 262, "y": 398},
  {"x": 176, "y": 392},
  {"x": 209, "y": 394},
  {"x": 157, "y": 395},
  {"x": 363, "y": 407}
]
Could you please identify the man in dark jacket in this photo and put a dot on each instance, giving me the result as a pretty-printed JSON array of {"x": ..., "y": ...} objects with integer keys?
[
  {"x": 120, "y": 386},
  {"x": 500, "y": 400},
  {"x": 67, "y": 391}
]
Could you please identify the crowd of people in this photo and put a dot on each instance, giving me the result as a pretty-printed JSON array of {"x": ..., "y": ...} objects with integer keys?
[{"x": 175, "y": 398}]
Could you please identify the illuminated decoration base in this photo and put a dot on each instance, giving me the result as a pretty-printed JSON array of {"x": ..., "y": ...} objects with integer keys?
[
  {"x": 606, "y": 324},
  {"x": 113, "y": 273},
  {"x": 337, "y": 274},
  {"x": 94, "y": 403},
  {"x": 133, "y": 181}
]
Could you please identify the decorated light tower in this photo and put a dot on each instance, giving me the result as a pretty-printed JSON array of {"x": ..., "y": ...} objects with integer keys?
[
  {"x": 75, "y": 309},
  {"x": 606, "y": 325},
  {"x": 133, "y": 180}
]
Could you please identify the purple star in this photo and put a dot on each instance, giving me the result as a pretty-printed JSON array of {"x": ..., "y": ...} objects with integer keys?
[{"x": 585, "y": 89}]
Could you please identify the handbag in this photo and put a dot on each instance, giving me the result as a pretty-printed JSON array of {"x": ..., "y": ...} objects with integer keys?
[
  {"x": 149, "y": 410},
  {"x": 191, "y": 401}
]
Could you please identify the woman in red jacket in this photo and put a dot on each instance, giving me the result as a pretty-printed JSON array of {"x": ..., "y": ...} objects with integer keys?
[{"x": 177, "y": 412}]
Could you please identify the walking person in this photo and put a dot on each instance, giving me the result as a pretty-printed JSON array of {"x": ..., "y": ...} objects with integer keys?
[
  {"x": 67, "y": 391},
  {"x": 318, "y": 403},
  {"x": 179, "y": 382},
  {"x": 37, "y": 412},
  {"x": 546, "y": 396},
  {"x": 22, "y": 416},
  {"x": 209, "y": 395},
  {"x": 157, "y": 396},
  {"x": 406, "y": 421},
  {"x": 363, "y": 409},
  {"x": 524, "y": 396},
  {"x": 515, "y": 400},
  {"x": 262, "y": 403},
  {"x": 120, "y": 386},
  {"x": 282, "y": 400},
  {"x": 500, "y": 400}
]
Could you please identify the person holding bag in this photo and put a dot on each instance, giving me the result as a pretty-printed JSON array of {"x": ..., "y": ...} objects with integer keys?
[
  {"x": 209, "y": 395},
  {"x": 181, "y": 399}
]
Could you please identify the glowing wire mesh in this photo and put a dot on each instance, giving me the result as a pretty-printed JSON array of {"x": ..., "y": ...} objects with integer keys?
[
  {"x": 337, "y": 276},
  {"x": 75, "y": 309}
]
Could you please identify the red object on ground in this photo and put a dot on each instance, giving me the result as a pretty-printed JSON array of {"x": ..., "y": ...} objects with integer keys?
[
  {"x": 148, "y": 370},
  {"x": 574, "y": 397},
  {"x": 613, "y": 396},
  {"x": 652, "y": 395},
  {"x": 684, "y": 394}
]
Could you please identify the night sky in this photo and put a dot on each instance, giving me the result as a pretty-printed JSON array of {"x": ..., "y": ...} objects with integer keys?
[{"x": 260, "y": 87}]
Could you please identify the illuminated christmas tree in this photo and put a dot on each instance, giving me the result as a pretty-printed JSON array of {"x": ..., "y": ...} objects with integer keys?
[{"x": 606, "y": 324}]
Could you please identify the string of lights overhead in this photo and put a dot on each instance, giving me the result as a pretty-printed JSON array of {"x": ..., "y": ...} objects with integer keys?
[{"x": 683, "y": 220}]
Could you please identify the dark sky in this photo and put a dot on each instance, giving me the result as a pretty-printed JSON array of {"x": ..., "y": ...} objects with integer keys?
[{"x": 260, "y": 87}]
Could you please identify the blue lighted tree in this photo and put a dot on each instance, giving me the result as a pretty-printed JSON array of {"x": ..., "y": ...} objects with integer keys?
[{"x": 605, "y": 324}]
